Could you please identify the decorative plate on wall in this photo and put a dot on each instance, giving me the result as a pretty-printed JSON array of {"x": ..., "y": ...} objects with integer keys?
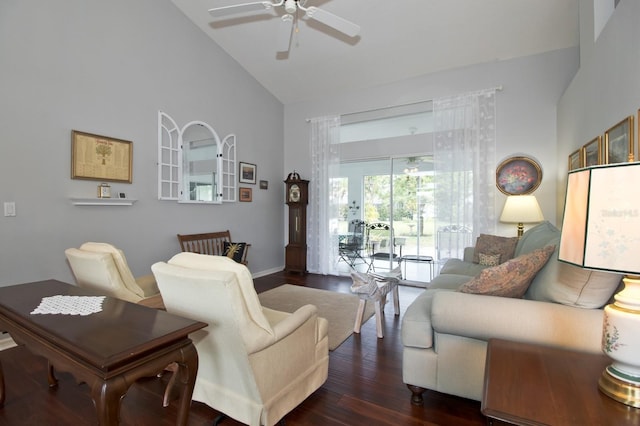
[{"x": 518, "y": 176}]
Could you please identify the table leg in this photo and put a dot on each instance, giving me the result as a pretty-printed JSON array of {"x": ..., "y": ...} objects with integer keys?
[
  {"x": 51, "y": 377},
  {"x": 187, "y": 371},
  {"x": 396, "y": 300},
  {"x": 1, "y": 386},
  {"x": 378, "y": 310},
  {"x": 106, "y": 397},
  {"x": 359, "y": 315}
]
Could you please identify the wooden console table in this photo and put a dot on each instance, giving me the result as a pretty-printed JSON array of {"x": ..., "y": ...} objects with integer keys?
[
  {"x": 108, "y": 350},
  {"x": 527, "y": 384}
]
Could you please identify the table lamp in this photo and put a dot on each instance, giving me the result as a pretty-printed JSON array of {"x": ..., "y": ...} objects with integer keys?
[
  {"x": 521, "y": 209},
  {"x": 601, "y": 231}
]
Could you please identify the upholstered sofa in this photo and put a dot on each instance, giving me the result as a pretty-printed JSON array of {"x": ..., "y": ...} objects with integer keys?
[{"x": 445, "y": 331}]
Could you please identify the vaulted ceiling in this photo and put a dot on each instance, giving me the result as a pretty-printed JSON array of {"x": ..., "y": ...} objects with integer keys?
[{"x": 399, "y": 39}]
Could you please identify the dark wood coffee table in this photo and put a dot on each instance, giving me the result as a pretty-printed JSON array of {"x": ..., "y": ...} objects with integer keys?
[
  {"x": 108, "y": 350},
  {"x": 529, "y": 384}
]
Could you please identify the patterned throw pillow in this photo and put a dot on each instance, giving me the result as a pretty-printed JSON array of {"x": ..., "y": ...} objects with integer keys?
[
  {"x": 511, "y": 278},
  {"x": 489, "y": 259},
  {"x": 234, "y": 251},
  {"x": 494, "y": 244}
]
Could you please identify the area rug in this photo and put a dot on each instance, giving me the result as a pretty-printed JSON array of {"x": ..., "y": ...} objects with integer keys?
[{"x": 338, "y": 308}]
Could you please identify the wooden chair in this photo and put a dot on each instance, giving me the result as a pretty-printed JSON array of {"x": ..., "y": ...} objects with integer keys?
[{"x": 211, "y": 243}]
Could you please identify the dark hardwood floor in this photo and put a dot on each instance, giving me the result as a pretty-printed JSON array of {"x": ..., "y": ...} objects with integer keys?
[{"x": 364, "y": 386}]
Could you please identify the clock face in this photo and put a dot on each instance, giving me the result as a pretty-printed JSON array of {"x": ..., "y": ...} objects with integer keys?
[{"x": 294, "y": 193}]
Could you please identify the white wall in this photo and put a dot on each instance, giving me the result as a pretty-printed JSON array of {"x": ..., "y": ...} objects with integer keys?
[
  {"x": 605, "y": 90},
  {"x": 526, "y": 112},
  {"x": 107, "y": 67}
]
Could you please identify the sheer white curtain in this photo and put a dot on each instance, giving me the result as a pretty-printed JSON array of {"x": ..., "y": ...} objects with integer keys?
[
  {"x": 464, "y": 155},
  {"x": 323, "y": 208}
]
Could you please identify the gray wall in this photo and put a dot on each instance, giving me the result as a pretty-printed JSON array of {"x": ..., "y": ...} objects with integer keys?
[
  {"x": 606, "y": 89},
  {"x": 107, "y": 67},
  {"x": 526, "y": 112}
]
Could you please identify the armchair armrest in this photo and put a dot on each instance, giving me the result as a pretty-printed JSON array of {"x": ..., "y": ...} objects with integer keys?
[
  {"x": 284, "y": 324},
  {"x": 148, "y": 285},
  {"x": 484, "y": 317}
]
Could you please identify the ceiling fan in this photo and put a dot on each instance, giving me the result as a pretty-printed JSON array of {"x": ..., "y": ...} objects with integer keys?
[{"x": 291, "y": 8}]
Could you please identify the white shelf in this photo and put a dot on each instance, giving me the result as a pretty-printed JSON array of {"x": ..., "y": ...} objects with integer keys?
[{"x": 102, "y": 201}]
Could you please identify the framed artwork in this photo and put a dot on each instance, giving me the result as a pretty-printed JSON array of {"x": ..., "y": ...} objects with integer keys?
[
  {"x": 592, "y": 153},
  {"x": 618, "y": 142},
  {"x": 518, "y": 176},
  {"x": 245, "y": 195},
  {"x": 102, "y": 158},
  {"x": 575, "y": 159},
  {"x": 264, "y": 184},
  {"x": 247, "y": 173}
]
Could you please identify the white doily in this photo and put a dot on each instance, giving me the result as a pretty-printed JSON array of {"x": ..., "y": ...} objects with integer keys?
[{"x": 69, "y": 305}]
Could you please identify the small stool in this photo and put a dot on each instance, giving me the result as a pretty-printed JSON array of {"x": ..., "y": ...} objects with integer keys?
[{"x": 375, "y": 287}]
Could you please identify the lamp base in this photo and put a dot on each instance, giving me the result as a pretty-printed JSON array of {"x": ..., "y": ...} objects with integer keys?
[{"x": 625, "y": 391}]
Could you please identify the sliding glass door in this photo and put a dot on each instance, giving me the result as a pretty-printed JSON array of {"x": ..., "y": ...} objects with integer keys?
[{"x": 396, "y": 193}]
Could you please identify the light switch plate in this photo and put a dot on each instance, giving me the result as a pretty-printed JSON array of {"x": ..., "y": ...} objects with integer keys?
[{"x": 9, "y": 208}]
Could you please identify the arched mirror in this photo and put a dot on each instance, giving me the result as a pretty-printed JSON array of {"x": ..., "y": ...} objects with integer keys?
[{"x": 200, "y": 163}]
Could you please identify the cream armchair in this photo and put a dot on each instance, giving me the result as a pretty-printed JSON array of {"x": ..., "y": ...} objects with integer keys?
[
  {"x": 103, "y": 267},
  {"x": 255, "y": 364}
]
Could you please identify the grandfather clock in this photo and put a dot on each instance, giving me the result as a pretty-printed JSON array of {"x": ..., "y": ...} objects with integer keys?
[{"x": 297, "y": 196}]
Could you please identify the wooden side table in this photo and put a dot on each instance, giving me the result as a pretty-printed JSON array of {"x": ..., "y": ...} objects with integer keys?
[{"x": 528, "y": 384}]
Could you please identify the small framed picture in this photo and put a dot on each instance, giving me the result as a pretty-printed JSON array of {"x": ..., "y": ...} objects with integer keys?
[
  {"x": 247, "y": 173},
  {"x": 575, "y": 159},
  {"x": 122, "y": 195},
  {"x": 264, "y": 184},
  {"x": 592, "y": 153},
  {"x": 245, "y": 195},
  {"x": 618, "y": 142}
]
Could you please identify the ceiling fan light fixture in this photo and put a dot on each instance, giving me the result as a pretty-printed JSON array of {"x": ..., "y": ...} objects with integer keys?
[{"x": 290, "y": 6}]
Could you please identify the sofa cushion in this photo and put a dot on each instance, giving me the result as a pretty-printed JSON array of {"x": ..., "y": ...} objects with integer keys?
[
  {"x": 494, "y": 244},
  {"x": 460, "y": 267},
  {"x": 449, "y": 281},
  {"x": 560, "y": 282},
  {"x": 510, "y": 279},
  {"x": 541, "y": 235}
]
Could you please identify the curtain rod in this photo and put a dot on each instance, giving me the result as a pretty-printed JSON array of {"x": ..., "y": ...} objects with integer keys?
[{"x": 496, "y": 88}]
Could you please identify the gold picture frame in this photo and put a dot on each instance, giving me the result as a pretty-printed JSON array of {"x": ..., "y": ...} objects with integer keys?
[
  {"x": 592, "y": 152},
  {"x": 618, "y": 142},
  {"x": 575, "y": 159},
  {"x": 518, "y": 175},
  {"x": 96, "y": 157},
  {"x": 245, "y": 195}
]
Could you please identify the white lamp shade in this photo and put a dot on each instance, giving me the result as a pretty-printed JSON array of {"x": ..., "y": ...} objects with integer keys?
[
  {"x": 601, "y": 223},
  {"x": 521, "y": 209}
]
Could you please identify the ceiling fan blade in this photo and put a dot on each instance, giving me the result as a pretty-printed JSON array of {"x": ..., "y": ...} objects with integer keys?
[
  {"x": 284, "y": 33},
  {"x": 334, "y": 21},
  {"x": 240, "y": 8}
]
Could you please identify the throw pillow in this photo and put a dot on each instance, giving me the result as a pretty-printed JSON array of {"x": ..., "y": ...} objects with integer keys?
[
  {"x": 511, "y": 278},
  {"x": 489, "y": 259},
  {"x": 234, "y": 251},
  {"x": 494, "y": 244}
]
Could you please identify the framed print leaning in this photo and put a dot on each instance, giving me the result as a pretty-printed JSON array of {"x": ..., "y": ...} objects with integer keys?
[
  {"x": 592, "y": 152},
  {"x": 103, "y": 158},
  {"x": 518, "y": 176},
  {"x": 618, "y": 142}
]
